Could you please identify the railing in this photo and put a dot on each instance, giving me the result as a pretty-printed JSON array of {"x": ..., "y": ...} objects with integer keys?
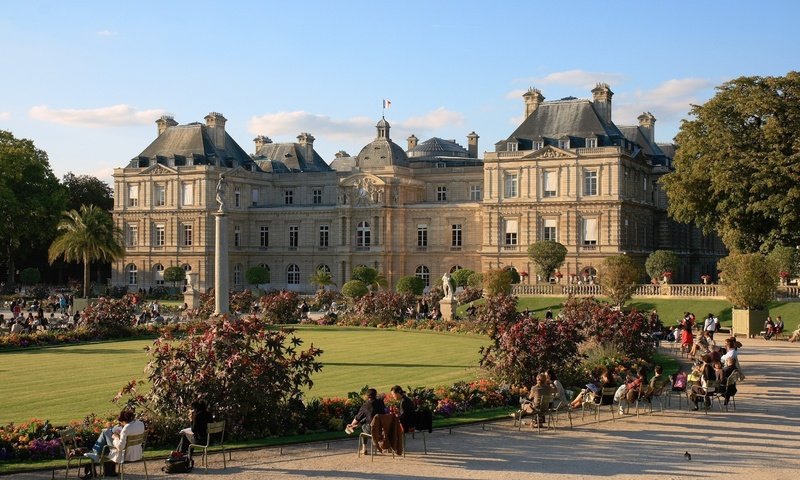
[{"x": 784, "y": 292}]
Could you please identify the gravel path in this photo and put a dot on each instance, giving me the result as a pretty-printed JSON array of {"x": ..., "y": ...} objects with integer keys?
[{"x": 758, "y": 441}]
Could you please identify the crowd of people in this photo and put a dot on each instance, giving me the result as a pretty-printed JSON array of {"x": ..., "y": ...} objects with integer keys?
[{"x": 56, "y": 311}]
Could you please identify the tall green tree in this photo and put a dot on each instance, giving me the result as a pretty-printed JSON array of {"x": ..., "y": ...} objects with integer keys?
[
  {"x": 547, "y": 255},
  {"x": 87, "y": 190},
  {"x": 174, "y": 274},
  {"x": 659, "y": 262},
  {"x": 750, "y": 280},
  {"x": 737, "y": 168},
  {"x": 619, "y": 277},
  {"x": 87, "y": 236},
  {"x": 257, "y": 275},
  {"x": 31, "y": 200}
]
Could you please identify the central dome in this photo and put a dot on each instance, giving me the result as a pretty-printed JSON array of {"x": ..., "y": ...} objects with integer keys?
[{"x": 382, "y": 152}]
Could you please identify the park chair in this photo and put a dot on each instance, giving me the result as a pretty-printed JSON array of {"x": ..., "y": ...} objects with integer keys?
[
  {"x": 655, "y": 393},
  {"x": 558, "y": 407},
  {"x": 69, "y": 442},
  {"x": 710, "y": 390},
  {"x": 381, "y": 438},
  {"x": 132, "y": 441},
  {"x": 212, "y": 429},
  {"x": 422, "y": 420},
  {"x": 545, "y": 410},
  {"x": 720, "y": 393},
  {"x": 606, "y": 398},
  {"x": 672, "y": 392}
]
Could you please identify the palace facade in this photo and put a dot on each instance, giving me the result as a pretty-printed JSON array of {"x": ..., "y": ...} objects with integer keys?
[{"x": 567, "y": 173}]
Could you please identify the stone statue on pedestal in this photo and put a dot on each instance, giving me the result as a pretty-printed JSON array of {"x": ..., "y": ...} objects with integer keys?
[{"x": 221, "y": 192}]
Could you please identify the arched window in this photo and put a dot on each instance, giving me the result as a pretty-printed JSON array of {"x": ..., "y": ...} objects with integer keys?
[
  {"x": 425, "y": 274},
  {"x": 293, "y": 275},
  {"x": 158, "y": 274},
  {"x": 266, "y": 267},
  {"x": 455, "y": 268},
  {"x": 237, "y": 274},
  {"x": 133, "y": 274},
  {"x": 363, "y": 235},
  {"x": 324, "y": 268}
]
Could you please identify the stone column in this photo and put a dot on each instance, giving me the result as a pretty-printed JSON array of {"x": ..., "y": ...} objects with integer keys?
[
  {"x": 447, "y": 306},
  {"x": 220, "y": 264}
]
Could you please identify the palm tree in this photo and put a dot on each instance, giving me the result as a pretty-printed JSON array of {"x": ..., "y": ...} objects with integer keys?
[
  {"x": 321, "y": 279},
  {"x": 86, "y": 237}
]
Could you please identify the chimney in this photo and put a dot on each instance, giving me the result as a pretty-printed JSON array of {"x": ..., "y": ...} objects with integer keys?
[
  {"x": 260, "y": 141},
  {"x": 165, "y": 122},
  {"x": 533, "y": 98},
  {"x": 472, "y": 144},
  {"x": 412, "y": 141},
  {"x": 648, "y": 123},
  {"x": 601, "y": 94},
  {"x": 216, "y": 123},
  {"x": 307, "y": 140}
]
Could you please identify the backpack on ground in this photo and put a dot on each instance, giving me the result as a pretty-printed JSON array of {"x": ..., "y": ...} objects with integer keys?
[{"x": 177, "y": 462}]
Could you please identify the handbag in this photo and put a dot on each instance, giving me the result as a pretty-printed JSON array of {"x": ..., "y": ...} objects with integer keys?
[{"x": 177, "y": 462}]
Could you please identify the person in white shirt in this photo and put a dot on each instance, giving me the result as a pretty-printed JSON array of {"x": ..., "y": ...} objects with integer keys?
[{"x": 709, "y": 325}]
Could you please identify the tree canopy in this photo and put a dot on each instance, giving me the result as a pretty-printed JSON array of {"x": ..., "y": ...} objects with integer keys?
[
  {"x": 737, "y": 168},
  {"x": 548, "y": 256},
  {"x": 750, "y": 279},
  {"x": 174, "y": 274},
  {"x": 659, "y": 262},
  {"x": 619, "y": 277},
  {"x": 87, "y": 190},
  {"x": 87, "y": 236},
  {"x": 31, "y": 200}
]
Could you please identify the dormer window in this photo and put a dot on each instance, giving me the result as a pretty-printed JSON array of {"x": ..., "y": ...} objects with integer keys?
[
  {"x": 538, "y": 144},
  {"x": 513, "y": 146},
  {"x": 591, "y": 143},
  {"x": 563, "y": 143}
]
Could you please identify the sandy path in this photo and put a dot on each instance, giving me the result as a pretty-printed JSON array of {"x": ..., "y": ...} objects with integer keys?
[{"x": 758, "y": 441}]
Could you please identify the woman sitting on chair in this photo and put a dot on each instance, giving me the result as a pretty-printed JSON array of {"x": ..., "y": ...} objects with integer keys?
[
  {"x": 200, "y": 418},
  {"x": 538, "y": 391}
]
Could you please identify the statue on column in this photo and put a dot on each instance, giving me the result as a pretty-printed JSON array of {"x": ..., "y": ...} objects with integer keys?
[
  {"x": 221, "y": 192},
  {"x": 448, "y": 286}
]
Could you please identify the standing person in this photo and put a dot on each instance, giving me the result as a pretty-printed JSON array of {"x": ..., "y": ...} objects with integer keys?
[
  {"x": 200, "y": 418},
  {"x": 687, "y": 339},
  {"x": 709, "y": 325},
  {"x": 372, "y": 406},
  {"x": 406, "y": 409}
]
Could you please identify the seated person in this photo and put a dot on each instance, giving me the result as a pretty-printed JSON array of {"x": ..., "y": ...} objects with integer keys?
[
  {"x": 707, "y": 375},
  {"x": 703, "y": 344},
  {"x": 406, "y": 408},
  {"x": 372, "y": 406},
  {"x": 795, "y": 335},
  {"x": 727, "y": 371},
  {"x": 198, "y": 432},
  {"x": 679, "y": 381},
  {"x": 593, "y": 393},
  {"x": 560, "y": 400},
  {"x": 116, "y": 439},
  {"x": 779, "y": 326},
  {"x": 769, "y": 328},
  {"x": 634, "y": 389},
  {"x": 656, "y": 384},
  {"x": 534, "y": 403}
]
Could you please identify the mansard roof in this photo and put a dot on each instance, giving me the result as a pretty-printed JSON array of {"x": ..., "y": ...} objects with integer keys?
[
  {"x": 295, "y": 157},
  {"x": 576, "y": 119},
  {"x": 437, "y": 147},
  {"x": 192, "y": 144},
  {"x": 640, "y": 137}
]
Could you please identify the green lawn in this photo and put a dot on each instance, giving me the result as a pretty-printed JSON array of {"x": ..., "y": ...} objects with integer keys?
[{"x": 66, "y": 383}]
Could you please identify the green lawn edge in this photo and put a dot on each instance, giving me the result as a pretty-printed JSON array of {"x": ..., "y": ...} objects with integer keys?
[{"x": 478, "y": 416}]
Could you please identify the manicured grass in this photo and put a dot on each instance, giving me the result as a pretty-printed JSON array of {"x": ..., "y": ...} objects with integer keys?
[{"x": 68, "y": 382}]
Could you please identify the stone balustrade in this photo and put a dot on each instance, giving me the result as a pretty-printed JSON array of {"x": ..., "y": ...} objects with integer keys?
[{"x": 784, "y": 292}]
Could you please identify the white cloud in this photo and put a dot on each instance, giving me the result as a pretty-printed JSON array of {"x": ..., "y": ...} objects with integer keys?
[
  {"x": 5, "y": 116},
  {"x": 106, "y": 33},
  {"x": 668, "y": 101},
  {"x": 574, "y": 78},
  {"x": 114, "y": 116},
  {"x": 353, "y": 131}
]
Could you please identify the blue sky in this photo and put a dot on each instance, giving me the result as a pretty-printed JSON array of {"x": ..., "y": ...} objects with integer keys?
[{"x": 87, "y": 80}]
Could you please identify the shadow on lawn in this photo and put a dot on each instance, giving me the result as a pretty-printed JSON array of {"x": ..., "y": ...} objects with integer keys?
[{"x": 413, "y": 365}]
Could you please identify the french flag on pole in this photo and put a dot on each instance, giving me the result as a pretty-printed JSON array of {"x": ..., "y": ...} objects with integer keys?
[{"x": 387, "y": 103}]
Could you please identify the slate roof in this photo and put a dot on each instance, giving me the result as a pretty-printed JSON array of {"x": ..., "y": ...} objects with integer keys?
[
  {"x": 295, "y": 157},
  {"x": 191, "y": 144},
  {"x": 382, "y": 152},
  {"x": 436, "y": 146},
  {"x": 576, "y": 119},
  {"x": 640, "y": 137}
]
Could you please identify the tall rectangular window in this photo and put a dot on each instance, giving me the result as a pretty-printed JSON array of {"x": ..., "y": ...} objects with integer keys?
[
  {"x": 550, "y": 230},
  {"x": 590, "y": 231},
  {"x": 188, "y": 235},
  {"x": 133, "y": 195},
  {"x": 475, "y": 193},
  {"x": 549, "y": 183},
  {"x": 538, "y": 144},
  {"x": 511, "y": 232},
  {"x": 591, "y": 143},
  {"x": 590, "y": 182},
  {"x": 187, "y": 193},
  {"x": 160, "y": 196},
  {"x": 254, "y": 197},
  {"x": 237, "y": 236},
  {"x": 512, "y": 183},
  {"x": 441, "y": 193},
  {"x": 264, "y": 236},
  {"x": 294, "y": 236},
  {"x": 132, "y": 235},
  {"x": 159, "y": 236},
  {"x": 422, "y": 236},
  {"x": 455, "y": 235},
  {"x": 288, "y": 197},
  {"x": 316, "y": 196},
  {"x": 324, "y": 235},
  {"x": 237, "y": 197}
]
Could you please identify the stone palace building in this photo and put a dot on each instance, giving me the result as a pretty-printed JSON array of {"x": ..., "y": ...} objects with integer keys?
[{"x": 567, "y": 173}]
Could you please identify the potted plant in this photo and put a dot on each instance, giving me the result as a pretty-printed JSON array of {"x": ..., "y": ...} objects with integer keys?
[
  {"x": 559, "y": 275},
  {"x": 705, "y": 278},
  {"x": 784, "y": 277},
  {"x": 667, "y": 277},
  {"x": 750, "y": 284}
]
